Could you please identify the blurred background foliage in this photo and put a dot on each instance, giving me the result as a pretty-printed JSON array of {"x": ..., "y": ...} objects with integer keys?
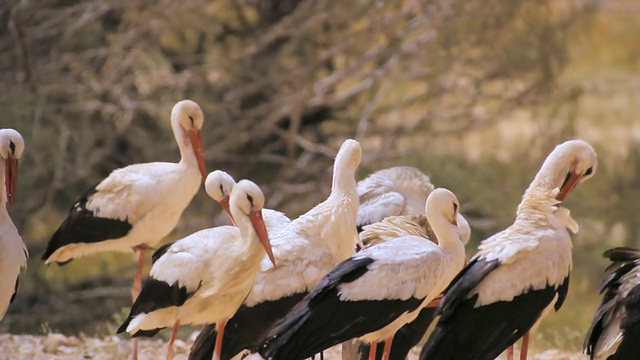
[{"x": 475, "y": 93}]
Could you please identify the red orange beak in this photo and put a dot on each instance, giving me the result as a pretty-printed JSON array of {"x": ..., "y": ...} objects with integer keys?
[
  {"x": 196, "y": 144},
  {"x": 261, "y": 230},
  {"x": 225, "y": 205},
  {"x": 567, "y": 187},
  {"x": 11, "y": 179}
]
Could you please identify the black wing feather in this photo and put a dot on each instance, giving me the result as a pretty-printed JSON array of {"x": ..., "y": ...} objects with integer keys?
[
  {"x": 467, "y": 279},
  {"x": 322, "y": 319},
  {"x": 156, "y": 294},
  {"x": 82, "y": 226},
  {"x": 623, "y": 261},
  {"x": 562, "y": 291},
  {"x": 457, "y": 334},
  {"x": 483, "y": 333},
  {"x": 622, "y": 254},
  {"x": 630, "y": 326},
  {"x": 160, "y": 251},
  {"x": 245, "y": 330},
  {"x": 15, "y": 290}
]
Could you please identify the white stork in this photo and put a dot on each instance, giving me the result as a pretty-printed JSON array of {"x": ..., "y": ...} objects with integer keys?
[
  {"x": 391, "y": 192},
  {"x": 138, "y": 205},
  {"x": 305, "y": 250},
  {"x": 519, "y": 273},
  {"x": 376, "y": 291},
  {"x": 204, "y": 277},
  {"x": 399, "y": 190},
  {"x": 614, "y": 333},
  {"x": 13, "y": 251}
]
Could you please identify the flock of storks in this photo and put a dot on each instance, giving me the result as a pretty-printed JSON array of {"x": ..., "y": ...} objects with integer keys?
[{"x": 370, "y": 267}]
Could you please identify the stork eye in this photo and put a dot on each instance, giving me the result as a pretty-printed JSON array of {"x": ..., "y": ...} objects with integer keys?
[
  {"x": 12, "y": 146},
  {"x": 589, "y": 171},
  {"x": 191, "y": 119},
  {"x": 221, "y": 189},
  {"x": 250, "y": 198},
  {"x": 455, "y": 207}
]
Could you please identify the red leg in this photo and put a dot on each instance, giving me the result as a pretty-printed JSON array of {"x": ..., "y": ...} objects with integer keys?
[
  {"x": 525, "y": 346},
  {"x": 387, "y": 348},
  {"x": 372, "y": 350},
  {"x": 134, "y": 356},
  {"x": 137, "y": 280},
  {"x": 510, "y": 352},
  {"x": 174, "y": 333},
  {"x": 218, "y": 348}
]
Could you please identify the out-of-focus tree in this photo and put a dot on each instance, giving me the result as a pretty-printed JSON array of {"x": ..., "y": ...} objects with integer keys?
[{"x": 90, "y": 84}]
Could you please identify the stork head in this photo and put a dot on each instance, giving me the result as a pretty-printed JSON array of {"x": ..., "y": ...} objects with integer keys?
[
  {"x": 248, "y": 200},
  {"x": 570, "y": 164},
  {"x": 218, "y": 186},
  {"x": 189, "y": 117},
  {"x": 11, "y": 149},
  {"x": 443, "y": 201},
  {"x": 349, "y": 155}
]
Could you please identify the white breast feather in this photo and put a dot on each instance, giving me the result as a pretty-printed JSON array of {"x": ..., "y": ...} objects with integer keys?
[
  {"x": 193, "y": 259},
  {"x": 13, "y": 258},
  {"x": 300, "y": 266},
  {"x": 564, "y": 215}
]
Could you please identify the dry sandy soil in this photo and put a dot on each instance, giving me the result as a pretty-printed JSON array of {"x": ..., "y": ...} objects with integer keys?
[{"x": 60, "y": 347}]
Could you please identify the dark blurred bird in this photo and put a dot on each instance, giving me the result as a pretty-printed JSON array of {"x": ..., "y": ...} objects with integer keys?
[{"x": 614, "y": 333}]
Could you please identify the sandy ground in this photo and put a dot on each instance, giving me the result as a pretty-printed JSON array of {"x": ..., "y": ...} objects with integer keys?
[{"x": 60, "y": 347}]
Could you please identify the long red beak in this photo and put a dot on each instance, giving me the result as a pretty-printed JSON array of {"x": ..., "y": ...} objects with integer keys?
[
  {"x": 567, "y": 187},
  {"x": 261, "y": 230},
  {"x": 196, "y": 143},
  {"x": 225, "y": 205},
  {"x": 11, "y": 179}
]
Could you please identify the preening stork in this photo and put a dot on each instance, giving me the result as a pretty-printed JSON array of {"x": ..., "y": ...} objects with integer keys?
[
  {"x": 399, "y": 190},
  {"x": 204, "y": 277},
  {"x": 138, "y": 205},
  {"x": 376, "y": 291},
  {"x": 305, "y": 250},
  {"x": 519, "y": 273},
  {"x": 13, "y": 251},
  {"x": 396, "y": 191},
  {"x": 614, "y": 333}
]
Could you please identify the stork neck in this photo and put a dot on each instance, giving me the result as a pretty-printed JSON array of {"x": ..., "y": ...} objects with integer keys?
[
  {"x": 343, "y": 180},
  {"x": 447, "y": 233},
  {"x": 540, "y": 195},
  {"x": 247, "y": 233},
  {"x": 4, "y": 213},
  {"x": 3, "y": 193},
  {"x": 187, "y": 155}
]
